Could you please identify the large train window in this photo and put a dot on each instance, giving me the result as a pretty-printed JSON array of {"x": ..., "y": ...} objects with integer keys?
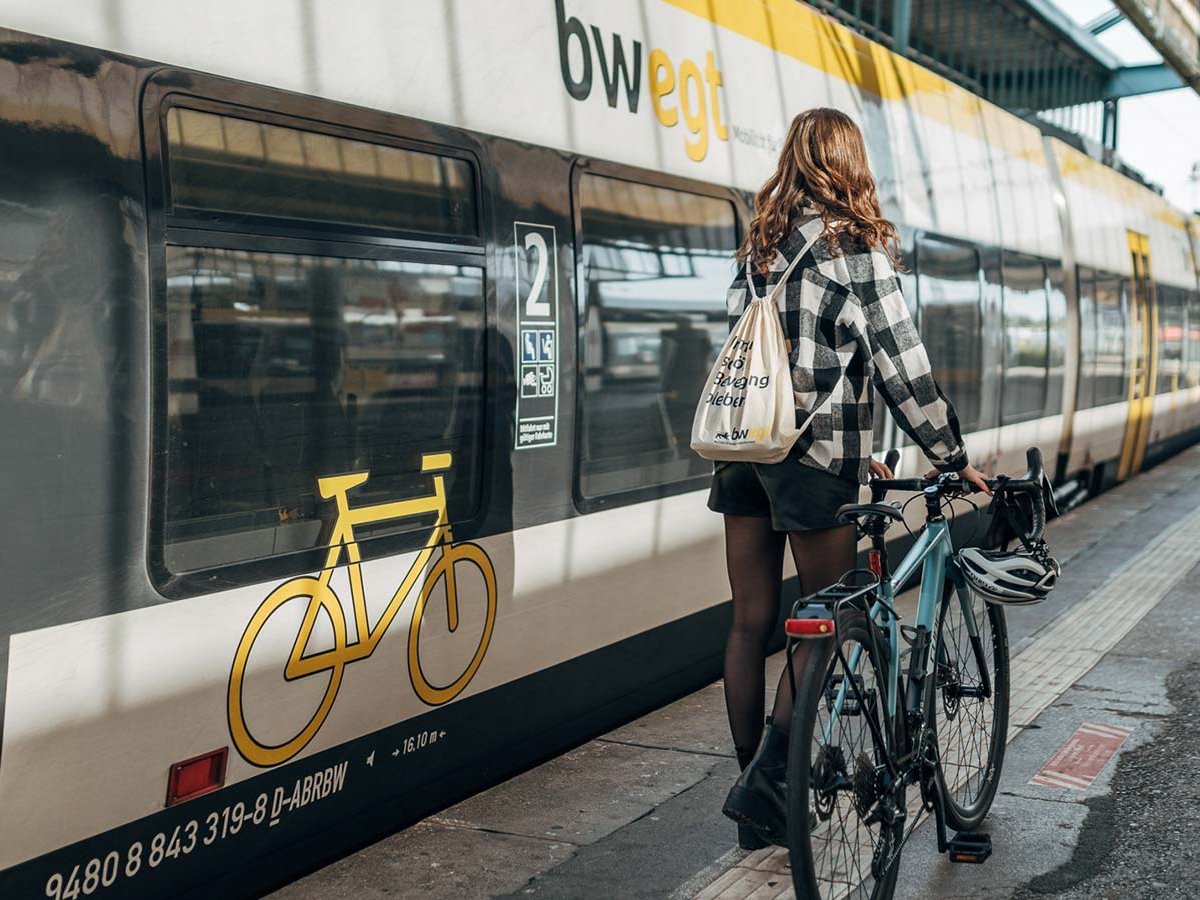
[
  {"x": 1085, "y": 290},
  {"x": 1192, "y": 343},
  {"x": 655, "y": 268},
  {"x": 1025, "y": 339},
  {"x": 228, "y": 164},
  {"x": 1170, "y": 339},
  {"x": 1111, "y": 300},
  {"x": 1056, "y": 339},
  {"x": 949, "y": 286},
  {"x": 323, "y": 351}
]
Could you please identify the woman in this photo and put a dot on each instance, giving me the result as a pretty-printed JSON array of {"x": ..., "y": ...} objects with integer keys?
[{"x": 847, "y": 326}]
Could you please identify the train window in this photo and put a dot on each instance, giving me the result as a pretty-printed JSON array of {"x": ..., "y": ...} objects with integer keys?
[
  {"x": 1086, "y": 291},
  {"x": 1192, "y": 345},
  {"x": 656, "y": 268},
  {"x": 948, "y": 280},
  {"x": 1025, "y": 338},
  {"x": 235, "y": 165},
  {"x": 1056, "y": 339},
  {"x": 283, "y": 367},
  {"x": 993, "y": 336},
  {"x": 1170, "y": 339},
  {"x": 1111, "y": 299}
]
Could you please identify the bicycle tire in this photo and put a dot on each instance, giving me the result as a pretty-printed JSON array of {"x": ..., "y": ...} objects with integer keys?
[
  {"x": 967, "y": 799},
  {"x": 816, "y": 662}
]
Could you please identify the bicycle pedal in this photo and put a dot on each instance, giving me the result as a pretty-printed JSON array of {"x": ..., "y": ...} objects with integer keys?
[
  {"x": 850, "y": 703},
  {"x": 969, "y": 847}
]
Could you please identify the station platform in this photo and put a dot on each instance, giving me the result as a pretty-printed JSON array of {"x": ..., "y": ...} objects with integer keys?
[{"x": 1110, "y": 661}]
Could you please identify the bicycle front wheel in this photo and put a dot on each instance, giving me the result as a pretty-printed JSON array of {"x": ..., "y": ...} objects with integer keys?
[
  {"x": 844, "y": 825},
  {"x": 968, "y": 707}
]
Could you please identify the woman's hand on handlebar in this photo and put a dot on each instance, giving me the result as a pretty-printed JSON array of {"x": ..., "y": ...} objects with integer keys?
[
  {"x": 969, "y": 474},
  {"x": 880, "y": 470}
]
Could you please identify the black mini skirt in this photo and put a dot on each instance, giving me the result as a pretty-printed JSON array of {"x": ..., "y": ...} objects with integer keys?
[{"x": 796, "y": 497}]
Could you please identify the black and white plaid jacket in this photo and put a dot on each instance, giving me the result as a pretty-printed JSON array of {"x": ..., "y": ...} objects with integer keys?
[{"x": 847, "y": 325}]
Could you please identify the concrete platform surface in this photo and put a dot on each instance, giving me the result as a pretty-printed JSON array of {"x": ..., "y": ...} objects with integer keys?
[{"x": 636, "y": 813}]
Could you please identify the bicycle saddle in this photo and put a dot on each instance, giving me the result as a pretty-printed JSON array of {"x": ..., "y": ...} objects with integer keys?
[{"x": 852, "y": 512}]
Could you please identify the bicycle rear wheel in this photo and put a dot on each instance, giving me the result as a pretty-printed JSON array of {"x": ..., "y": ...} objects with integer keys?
[
  {"x": 843, "y": 836},
  {"x": 969, "y": 705}
]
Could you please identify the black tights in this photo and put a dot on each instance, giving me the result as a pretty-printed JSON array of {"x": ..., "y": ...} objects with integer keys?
[{"x": 754, "y": 555}]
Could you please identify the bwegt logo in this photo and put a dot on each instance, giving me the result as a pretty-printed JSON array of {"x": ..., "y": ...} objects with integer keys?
[{"x": 673, "y": 90}]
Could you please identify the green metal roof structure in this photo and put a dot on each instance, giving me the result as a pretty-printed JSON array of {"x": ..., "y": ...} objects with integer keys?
[{"x": 1029, "y": 57}]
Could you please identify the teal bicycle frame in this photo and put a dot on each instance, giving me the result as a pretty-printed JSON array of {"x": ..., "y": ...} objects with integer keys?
[
  {"x": 907, "y": 750},
  {"x": 932, "y": 552}
]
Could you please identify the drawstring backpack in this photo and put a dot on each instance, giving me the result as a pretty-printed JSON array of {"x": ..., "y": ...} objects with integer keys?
[{"x": 747, "y": 412}]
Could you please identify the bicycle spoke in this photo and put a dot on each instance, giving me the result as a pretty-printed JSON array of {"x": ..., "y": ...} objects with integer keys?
[
  {"x": 966, "y": 720},
  {"x": 843, "y": 844}
]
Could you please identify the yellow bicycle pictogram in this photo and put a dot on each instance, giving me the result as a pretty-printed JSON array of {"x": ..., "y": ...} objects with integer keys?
[{"x": 321, "y": 598}]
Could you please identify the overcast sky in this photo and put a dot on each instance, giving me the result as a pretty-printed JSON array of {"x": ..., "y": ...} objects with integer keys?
[{"x": 1159, "y": 134}]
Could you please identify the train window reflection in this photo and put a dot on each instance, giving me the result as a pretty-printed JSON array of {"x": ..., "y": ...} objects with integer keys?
[
  {"x": 1056, "y": 340},
  {"x": 656, "y": 266},
  {"x": 282, "y": 368},
  {"x": 244, "y": 167},
  {"x": 1111, "y": 300},
  {"x": 949, "y": 288},
  {"x": 1170, "y": 339},
  {"x": 1025, "y": 339},
  {"x": 1192, "y": 344},
  {"x": 1086, "y": 290}
]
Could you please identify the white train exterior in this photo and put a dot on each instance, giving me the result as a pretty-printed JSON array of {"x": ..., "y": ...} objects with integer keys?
[{"x": 465, "y": 263}]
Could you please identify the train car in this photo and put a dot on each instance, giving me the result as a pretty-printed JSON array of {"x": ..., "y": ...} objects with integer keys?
[
  {"x": 347, "y": 362},
  {"x": 1137, "y": 311}
]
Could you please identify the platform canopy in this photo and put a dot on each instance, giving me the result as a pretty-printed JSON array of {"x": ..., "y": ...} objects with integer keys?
[
  {"x": 1027, "y": 56},
  {"x": 1173, "y": 28}
]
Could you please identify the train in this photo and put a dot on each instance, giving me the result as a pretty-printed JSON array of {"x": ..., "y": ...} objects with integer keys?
[{"x": 348, "y": 356}]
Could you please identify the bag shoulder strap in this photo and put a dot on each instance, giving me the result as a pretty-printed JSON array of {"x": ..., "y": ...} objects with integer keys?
[{"x": 787, "y": 273}]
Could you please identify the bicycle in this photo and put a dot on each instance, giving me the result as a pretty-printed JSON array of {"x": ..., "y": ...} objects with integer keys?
[
  {"x": 321, "y": 598},
  {"x": 862, "y": 733}
]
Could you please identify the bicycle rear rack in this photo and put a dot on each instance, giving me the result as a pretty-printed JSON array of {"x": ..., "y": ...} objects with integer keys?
[{"x": 815, "y": 616}]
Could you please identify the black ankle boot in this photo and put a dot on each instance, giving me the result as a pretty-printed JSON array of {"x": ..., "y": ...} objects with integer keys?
[
  {"x": 748, "y": 838},
  {"x": 759, "y": 797}
]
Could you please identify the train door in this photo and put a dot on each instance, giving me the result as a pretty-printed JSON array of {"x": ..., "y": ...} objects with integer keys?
[{"x": 1143, "y": 323}]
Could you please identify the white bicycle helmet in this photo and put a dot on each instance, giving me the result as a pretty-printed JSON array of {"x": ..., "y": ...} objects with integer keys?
[{"x": 1010, "y": 577}]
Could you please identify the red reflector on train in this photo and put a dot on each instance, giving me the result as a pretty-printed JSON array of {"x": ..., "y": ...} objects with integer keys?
[
  {"x": 196, "y": 776},
  {"x": 808, "y": 628}
]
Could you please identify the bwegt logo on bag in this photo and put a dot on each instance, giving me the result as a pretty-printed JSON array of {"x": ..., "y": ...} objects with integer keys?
[
  {"x": 729, "y": 386},
  {"x": 739, "y": 435}
]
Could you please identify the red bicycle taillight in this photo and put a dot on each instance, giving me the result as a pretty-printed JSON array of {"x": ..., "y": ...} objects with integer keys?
[
  {"x": 875, "y": 562},
  {"x": 808, "y": 628},
  {"x": 196, "y": 776}
]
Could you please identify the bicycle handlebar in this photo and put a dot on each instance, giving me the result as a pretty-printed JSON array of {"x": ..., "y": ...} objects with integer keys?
[{"x": 947, "y": 483}]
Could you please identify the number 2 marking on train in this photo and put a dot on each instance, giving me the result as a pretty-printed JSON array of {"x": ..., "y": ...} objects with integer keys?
[
  {"x": 534, "y": 306},
  {"x": 537, "y": 346}
]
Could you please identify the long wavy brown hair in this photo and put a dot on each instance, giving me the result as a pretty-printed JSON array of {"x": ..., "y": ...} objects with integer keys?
[{"x": 823, "y": 164}]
